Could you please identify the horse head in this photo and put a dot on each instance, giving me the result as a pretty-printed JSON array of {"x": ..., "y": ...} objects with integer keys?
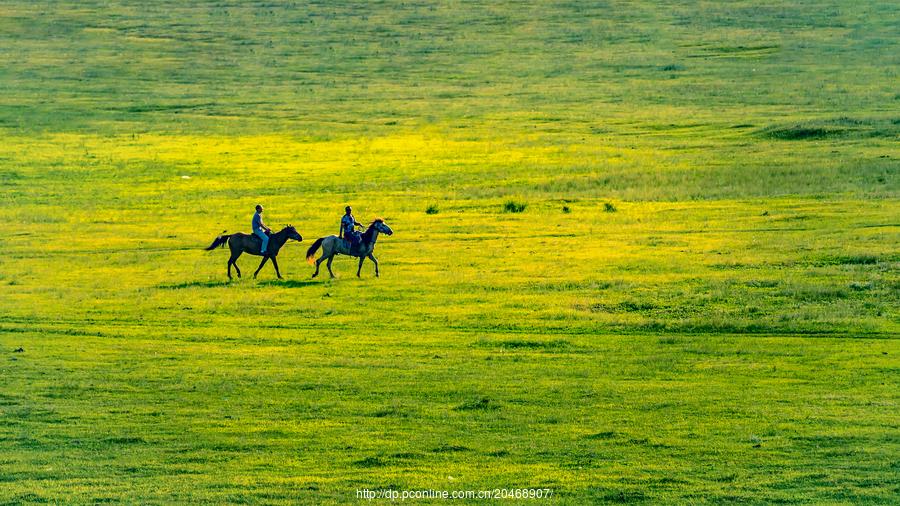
[
  {"x": 292, "y": 233},
  {"x": 382, "y": 227}
]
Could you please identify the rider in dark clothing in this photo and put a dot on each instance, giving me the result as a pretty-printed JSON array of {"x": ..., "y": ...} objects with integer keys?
[{"x": 348, "y": 228}]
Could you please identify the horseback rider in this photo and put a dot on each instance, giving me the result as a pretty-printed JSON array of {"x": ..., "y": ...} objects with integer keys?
[
  {"x": 348, "y": 228},
  {"x": 260, "y": 229}
]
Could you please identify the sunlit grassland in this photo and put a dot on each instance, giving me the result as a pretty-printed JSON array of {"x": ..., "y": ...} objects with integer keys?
[{"x": 724, "y": 331}]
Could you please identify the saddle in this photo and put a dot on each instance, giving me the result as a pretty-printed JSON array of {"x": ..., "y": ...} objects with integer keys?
[
  {"x": 256, "y": 240},
  {"x": 350, "y": 246}
]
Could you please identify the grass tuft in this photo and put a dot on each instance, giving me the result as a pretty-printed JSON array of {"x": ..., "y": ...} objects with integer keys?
[
  {"x": 511, "y": 206},
  {"x": 482, "y": 403}
]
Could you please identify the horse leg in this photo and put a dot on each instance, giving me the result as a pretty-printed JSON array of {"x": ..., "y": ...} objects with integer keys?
[
  {"x": 361, "y": 260},
  {"x": 318, "y": 262},
  {"x": 275, "y": 263},
  {"x": 330, "y": 259},
  {"x": 264, "y": 260},
  {"x": 233, "y": 261},
  {"x": 375, "y": 261}
]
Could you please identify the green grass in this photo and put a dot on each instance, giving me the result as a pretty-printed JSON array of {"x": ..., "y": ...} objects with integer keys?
[{"x": 642, "y": 253}]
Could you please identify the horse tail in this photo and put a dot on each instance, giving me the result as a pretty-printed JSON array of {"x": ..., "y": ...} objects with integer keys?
[
  {"x": 219, "y": 241},
  {"x": 311, "y": 252}
]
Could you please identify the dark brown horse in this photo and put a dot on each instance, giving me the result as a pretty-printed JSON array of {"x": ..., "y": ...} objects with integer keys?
[
  {"x": 247, "y": 243},
  {"x": 333, "y": 245}
]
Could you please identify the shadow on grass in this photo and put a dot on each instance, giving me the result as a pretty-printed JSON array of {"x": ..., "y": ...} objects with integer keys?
[
  {"x": 286, "y": 283},
  {"x": 194, "y": 284},
  {"x": 289, "y": 283}
]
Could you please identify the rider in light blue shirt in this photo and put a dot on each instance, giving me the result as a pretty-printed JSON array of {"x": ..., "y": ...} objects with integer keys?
[
  {"x": 348, "y": 227},
  {"x": 260, "y": 229}
]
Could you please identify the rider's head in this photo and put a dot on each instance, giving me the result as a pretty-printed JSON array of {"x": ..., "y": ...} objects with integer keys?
[
  {"x": 348, "y": 209},
  {"x": 259, "y": 208}
]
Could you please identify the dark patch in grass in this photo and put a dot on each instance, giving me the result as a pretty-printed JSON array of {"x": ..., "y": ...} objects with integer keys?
[
  {"x": 432, "y": 209},
  {"x": 609, "y": 207},
  {"x": 381, "y": 413},
  {"x": 667, "y": 340},
  {"x": 370, "y": 462},
  {"x": 124, "y": 440},
  {"x": 646, "y": 442},
  {"x": 481, "y": 404},
  {"x": 672, "y": 67},
  {"x": 581, "y": 462},
  {"x": 498, "y": 453},
  {"x": 830, "y": 129},
  {"x": 39, "y": 415},
  {"x": 668, "y": 480},
  {"x": 554, "y": 344},
  {"x": 726, "y": 266},
  {"x": 568, "y": 286},
  {"x": 761, "y": 283},
  {"x": 406, "y": 455},
  {"x": 8, "y": 176},
  {"x": 445, "y": 448},
  {"x": 29, "y": 498},
  {"x": 607, "y": 434},
  {"x": 619, "y": 496},
  {"x": 706, "y": 327},
  {"x": 511, "y": 206},
  {"x": 815, "y": 294},
  {"x": 628, "y": 306},
  {"x": 861, "y": 259},
  {"x": 740, "y": 51},
  {"x": 161, "y": 107},
  {"x": 197, "y": 459},
  {"x": 799, "y": 132},
  {"x": 635, "y": 306}
]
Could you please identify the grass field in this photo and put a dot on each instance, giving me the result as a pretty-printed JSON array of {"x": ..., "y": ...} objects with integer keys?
[{"x": 696, "y": 302}]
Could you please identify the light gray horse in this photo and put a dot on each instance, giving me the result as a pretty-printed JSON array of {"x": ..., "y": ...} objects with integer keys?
[{"x": 333, "y": 245}]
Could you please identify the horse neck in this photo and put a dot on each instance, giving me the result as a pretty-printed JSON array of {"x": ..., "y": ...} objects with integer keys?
[
  {"x": 279, "y": 238},
  {"x": 371, "y": 234}
]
